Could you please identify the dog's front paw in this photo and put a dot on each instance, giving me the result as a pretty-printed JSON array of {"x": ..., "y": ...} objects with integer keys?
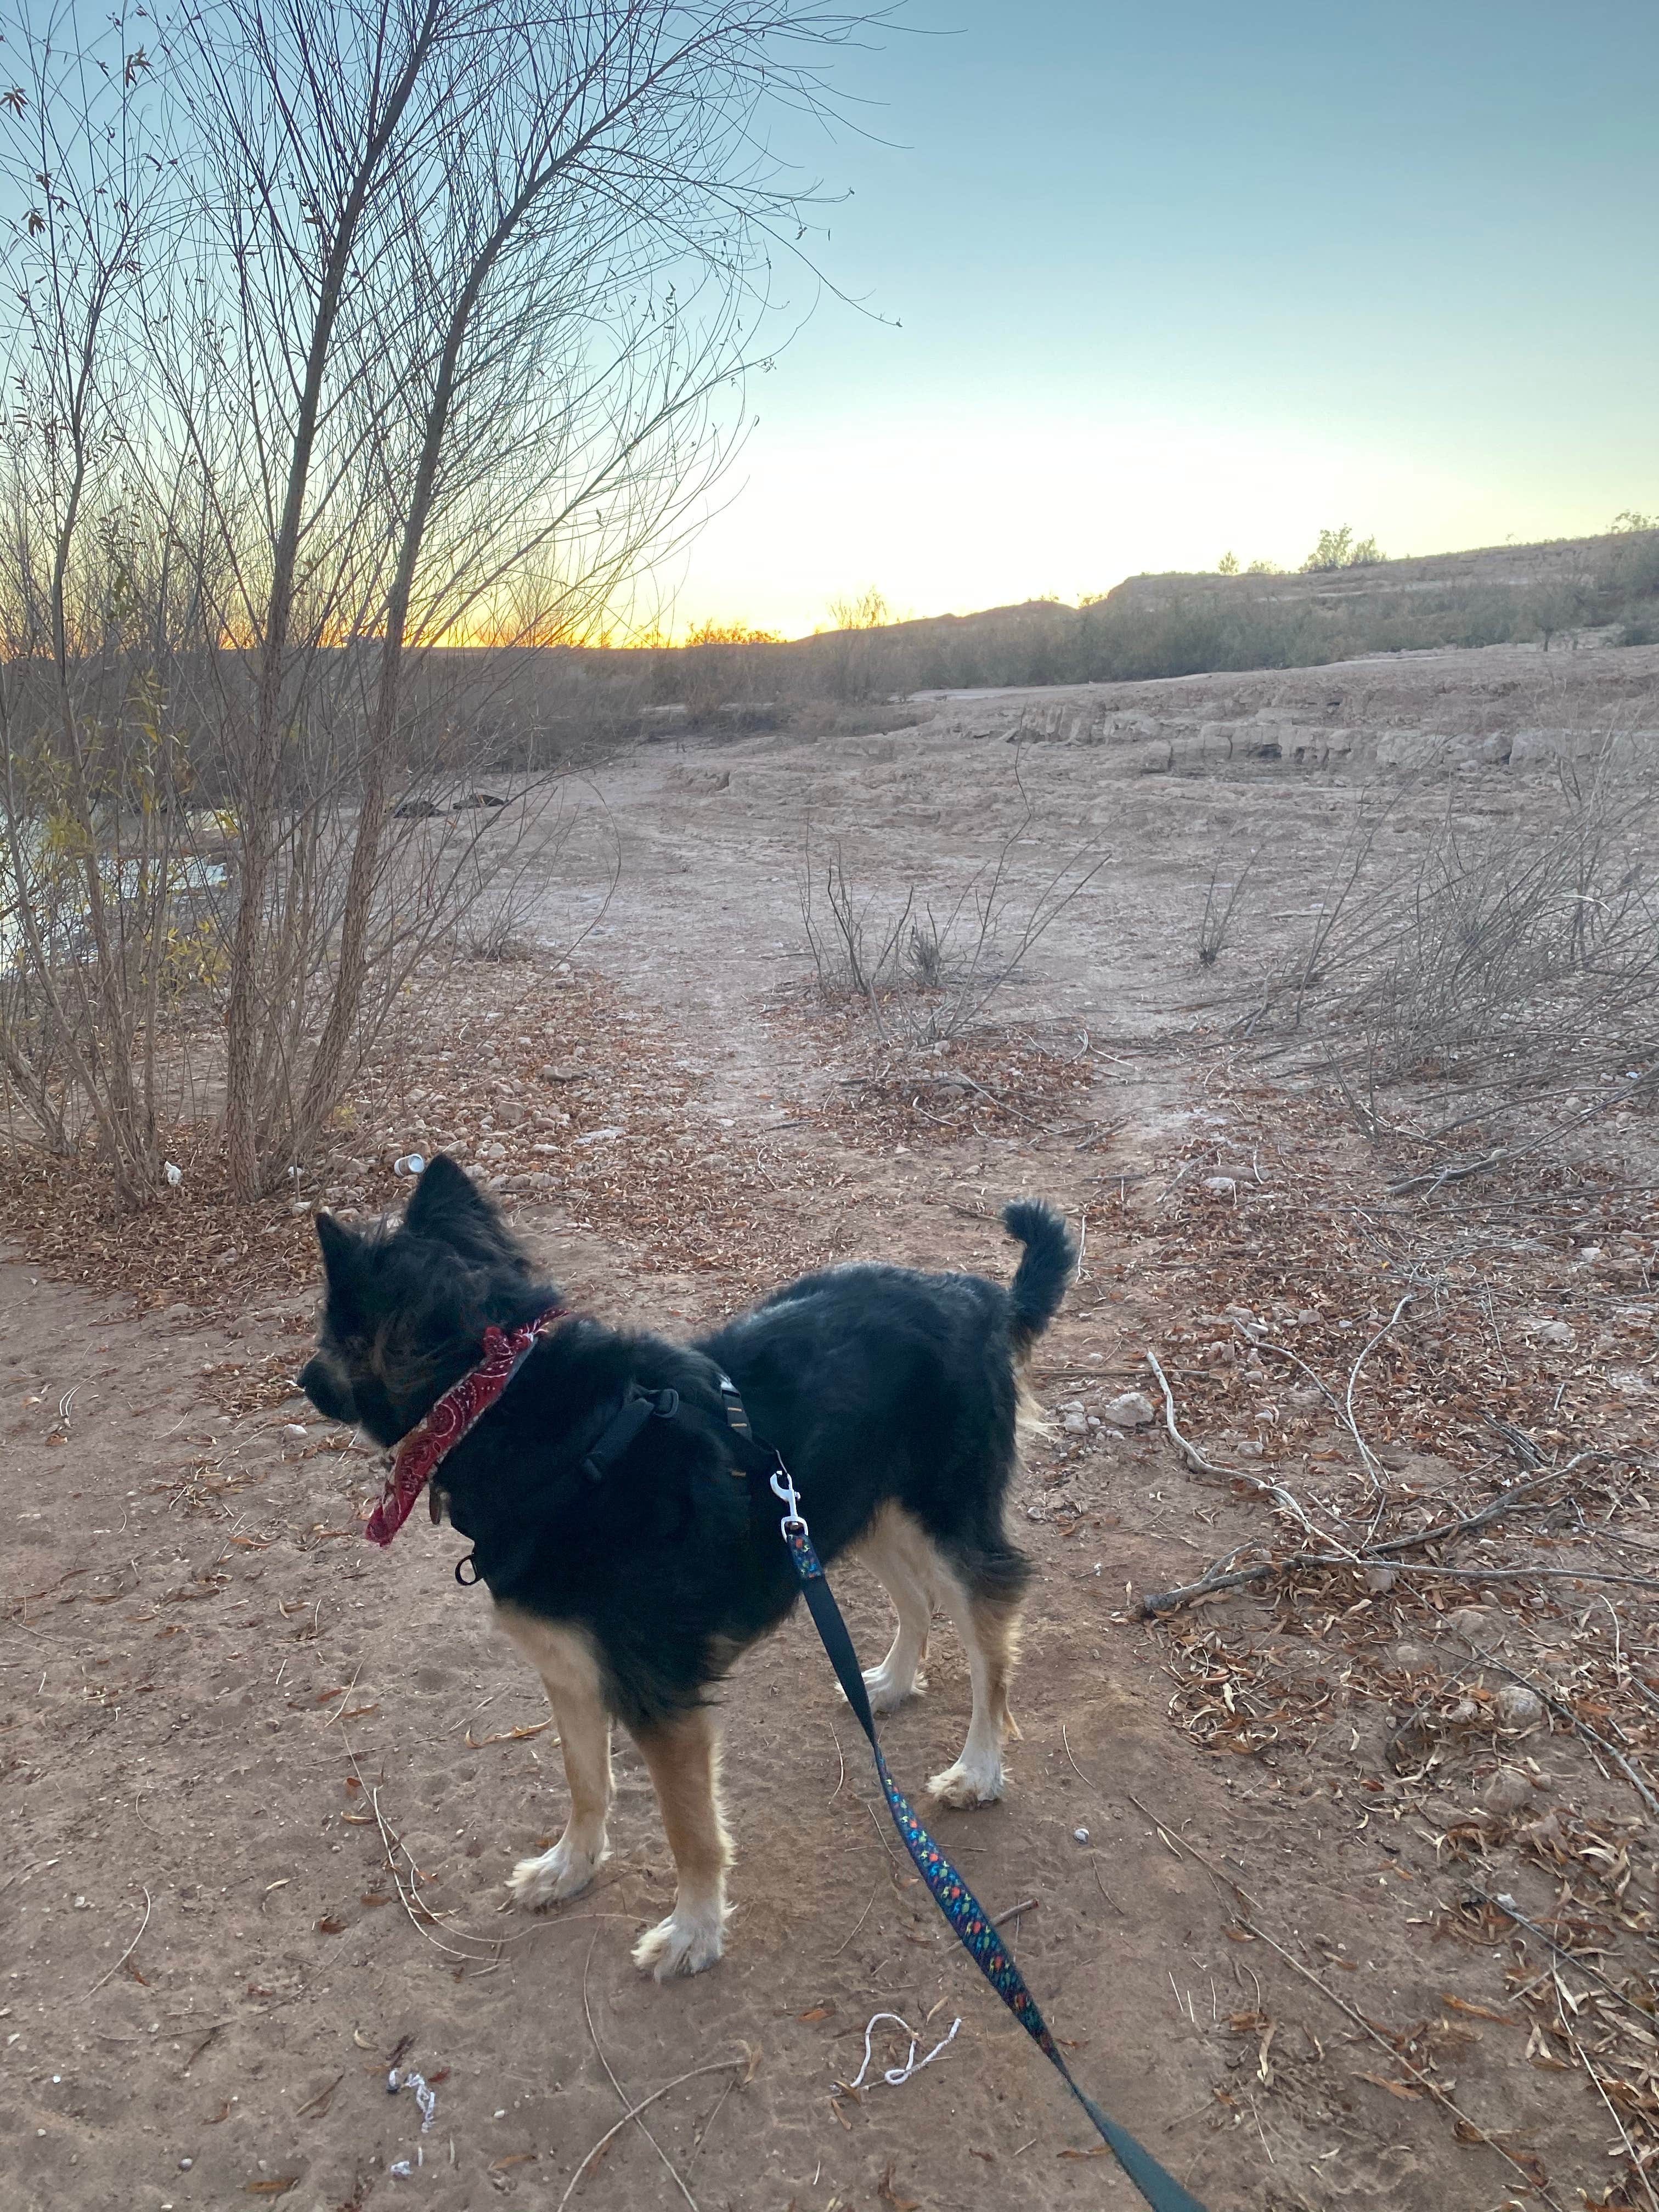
[
  {"x": 561, "y": 1872},
  {"x": 686, "y": 1942},
  {"x": 885, "y": 1691},
  {"x": 965, "y": 1785}
]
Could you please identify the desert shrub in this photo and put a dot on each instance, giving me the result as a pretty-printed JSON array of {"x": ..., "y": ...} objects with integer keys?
[
  {"x": 1220, "y": 903},
  {"x": 332, "y": 336},
  {"x": 1491, "y": 965},
  {"x": 1337, "y": 549},
  {"x": 924, "y": 974},
  {"x": 723, "y": 665}
]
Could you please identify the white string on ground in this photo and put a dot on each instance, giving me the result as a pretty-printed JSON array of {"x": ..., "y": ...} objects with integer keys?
[
  {"x": 898, "y": 2076},
  {"x": 425, "y": 2098}
]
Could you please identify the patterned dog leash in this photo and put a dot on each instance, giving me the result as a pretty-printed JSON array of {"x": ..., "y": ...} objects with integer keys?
[{"x": 968, "y": 1919}]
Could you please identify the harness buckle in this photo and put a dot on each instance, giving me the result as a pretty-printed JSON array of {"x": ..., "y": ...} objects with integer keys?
[{"x": 783, "y": 1487}]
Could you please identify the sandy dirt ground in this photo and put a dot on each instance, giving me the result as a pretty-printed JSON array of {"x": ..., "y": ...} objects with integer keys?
[{"x": 262, "y": 1785}]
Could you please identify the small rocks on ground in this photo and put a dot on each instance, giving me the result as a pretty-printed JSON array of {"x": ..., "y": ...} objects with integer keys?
[
  {"x": 1507, "y": 1790},
  {"x": 1134, "y": 1410},
  {"x": 1518, "y": 1707},
  {"x": 1474, "y": 1622}
]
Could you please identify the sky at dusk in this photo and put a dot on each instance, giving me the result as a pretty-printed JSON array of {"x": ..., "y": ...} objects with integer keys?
[{"x": 1139, "y": 284}]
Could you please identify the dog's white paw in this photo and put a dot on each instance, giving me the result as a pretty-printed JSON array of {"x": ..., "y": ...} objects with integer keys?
[
  {"x": 886, "y": 1692},
  {"x": 967, "y": 1784},
  {"x": 687, "y": 1940},
  {"x": 561, "y": 1872}
]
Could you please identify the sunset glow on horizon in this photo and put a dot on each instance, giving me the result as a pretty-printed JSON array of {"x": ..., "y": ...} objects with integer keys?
[{"x": 1137, "y": 288}]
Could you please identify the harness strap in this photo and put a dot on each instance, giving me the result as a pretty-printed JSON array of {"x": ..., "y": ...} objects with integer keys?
[
  {"x": 638, "y": 1407},
  {"x": 967, "y": 1917},
  {"x": 736, "y": 1414}
]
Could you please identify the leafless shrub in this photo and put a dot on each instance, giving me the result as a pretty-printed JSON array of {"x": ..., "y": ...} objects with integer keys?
[
  {"x": 498, "y": 941},
  {"x": 925, "y": 977},
  {"x": 848, "y": 961},
  {"x": 856, "y": 654},
  {"x": 925, "y": 955},
  {"x": 1215, "y": 923},
  {"x": 1496, "y": 968},
  {"x": 497, "y": 936}
]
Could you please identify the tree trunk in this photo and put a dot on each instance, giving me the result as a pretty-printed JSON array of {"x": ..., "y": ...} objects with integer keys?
[{"x": 245, "y": 1013}]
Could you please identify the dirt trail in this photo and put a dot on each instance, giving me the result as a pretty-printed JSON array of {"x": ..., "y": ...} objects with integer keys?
[{"x": 220, "y": 1716}]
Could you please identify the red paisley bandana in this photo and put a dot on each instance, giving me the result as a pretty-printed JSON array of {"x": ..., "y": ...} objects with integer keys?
[{"x": 428, "y": 1444}]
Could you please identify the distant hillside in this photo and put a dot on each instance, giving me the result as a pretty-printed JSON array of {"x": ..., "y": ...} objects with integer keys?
[
  {"x": 558, "y": 702},
  {"x": 1187, "y": 625},
  {"x": 1561, "y": 563}
]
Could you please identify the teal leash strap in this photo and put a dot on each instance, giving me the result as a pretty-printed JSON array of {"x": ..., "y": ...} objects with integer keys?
[{"x": 970, "y": 1921}]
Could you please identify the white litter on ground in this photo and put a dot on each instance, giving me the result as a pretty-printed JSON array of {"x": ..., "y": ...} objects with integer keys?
[
  {"x": 425, "y": 2098},
  {"x": 898, "y": 2076}
]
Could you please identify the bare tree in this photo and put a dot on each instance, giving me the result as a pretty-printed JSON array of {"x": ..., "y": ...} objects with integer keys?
[
  {"x": 89, "y": 868},
  {"x": 377, "y": 328},
  {"x": 855, "y": 650}
]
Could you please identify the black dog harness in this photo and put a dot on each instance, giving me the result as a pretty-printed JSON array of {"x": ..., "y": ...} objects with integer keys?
[
  {"x": 619, "y": 1435},
  {"x": 638, "y": 1407}
]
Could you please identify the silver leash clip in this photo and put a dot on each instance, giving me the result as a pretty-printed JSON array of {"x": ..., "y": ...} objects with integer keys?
[{"x": 783, "y": 1487}]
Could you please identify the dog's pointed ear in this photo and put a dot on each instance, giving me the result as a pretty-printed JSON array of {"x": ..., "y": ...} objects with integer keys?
[
  {"x": 341, "y": 1252},
  {"x": 339, "y": 1248},
  {"x": 449, "y": 1208}
]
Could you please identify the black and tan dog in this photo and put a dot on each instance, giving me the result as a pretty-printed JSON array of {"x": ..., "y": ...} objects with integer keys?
[{"x": 893, "y": 1397}]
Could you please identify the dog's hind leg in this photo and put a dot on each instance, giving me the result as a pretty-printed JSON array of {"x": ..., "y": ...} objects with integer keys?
[
  {"x": 987, "y": 1618},
  {"x": 684, "y": 1757},
  {"x": 565, "y": 1660},
  {"x": 901, "y": 1558}
]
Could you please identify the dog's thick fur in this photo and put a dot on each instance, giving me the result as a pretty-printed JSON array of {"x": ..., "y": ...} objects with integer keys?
[{"x": 893, "y": 1397}]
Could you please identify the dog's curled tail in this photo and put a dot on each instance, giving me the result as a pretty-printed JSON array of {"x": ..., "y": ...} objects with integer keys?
[{"x": 1045, "y": 1270}]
